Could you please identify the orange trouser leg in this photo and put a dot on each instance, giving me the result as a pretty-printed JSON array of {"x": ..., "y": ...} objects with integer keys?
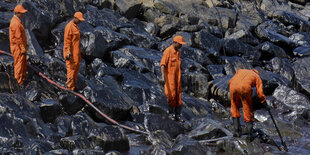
[
  {"x": 247, "y": 107},
  {"x": 235, "y": 103},
  {"x": 70, "y": 74},
  {"x": 20, "y": 67},
  {"x": 76, "y": 72}
]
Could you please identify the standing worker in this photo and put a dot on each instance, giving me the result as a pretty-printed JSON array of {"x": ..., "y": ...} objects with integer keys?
[
  {"x": 18, "y": 45},
  {"x": 171, "y": 77},
  {"x": 71, "y": 51},
  {"x": 240, "y": 88}
]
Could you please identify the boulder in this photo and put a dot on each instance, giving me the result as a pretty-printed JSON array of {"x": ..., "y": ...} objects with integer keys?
[
  {"x": 71, "y": 103},
  {"x": 196, "y": 83},
  {"x": 244, "y": 36},
  {"x": 301, "y": 38},
  {"x": 195, "y": 54},
  {"x": 235, "y": 47},
  {"x": 105, "y": 17},
  {"x": 8, "y": 84},
  {"x": 287, "y": 17},
  {"x": 291, "y": 98},
  {"x": 4, "y": 40},
  {"x": 187, "y": 145},
  {"x": 233, "y": 64},
  {"x": 57, "y": 152},
  {"x": 50, "y": 109},
  {"x": 87, "y": 151},
  {"x": 206, "y": 41},
  {"x": 106, "y": 95},
  {"x": 216, "y": 71},
  {"x": 283, "y": 67},
  {"x": 109, "y": 138},
  {"x": 302, "y": 75},
  {"x": 302, "y": 51},
  {"x": 208, "y": 129},
  {"x": 155, "y": 122},
  {"x": 74, "y": 142},
  {"x": 219, "y": 89},
  {"x": 139, "y": 37},
  {"x": 129, "y": 8},
  {"x": 33, "y": 46},
  {"x": 97, "y": 43},
  {"x": 271, "y": 32},
  {"x": 269, "y": 51}
]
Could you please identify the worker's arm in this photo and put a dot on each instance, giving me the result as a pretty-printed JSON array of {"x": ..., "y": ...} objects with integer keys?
[
  {"x": 67, "y": 42},
  {"x": 260, "y": 91},
  {"x": 163, "y": 64}
]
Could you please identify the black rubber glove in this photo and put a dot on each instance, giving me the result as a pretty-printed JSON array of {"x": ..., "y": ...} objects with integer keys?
[{"x": 266, "y": 106}]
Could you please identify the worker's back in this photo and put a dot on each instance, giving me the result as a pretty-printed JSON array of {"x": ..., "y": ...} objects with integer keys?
[{"x": 244, "y": 78}]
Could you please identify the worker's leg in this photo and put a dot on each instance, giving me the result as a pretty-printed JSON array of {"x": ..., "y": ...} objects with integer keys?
[
  {"x": 70, "y": 74},
  {"x": 235, "y": 103}
]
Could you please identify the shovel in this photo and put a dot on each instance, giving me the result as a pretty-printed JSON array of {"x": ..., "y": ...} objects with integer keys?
[{"x": 284, "y": 147}]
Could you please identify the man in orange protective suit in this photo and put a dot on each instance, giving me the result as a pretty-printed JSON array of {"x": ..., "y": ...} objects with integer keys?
[
  {"x": 171, "y": 76},
  {"x": 71, "y": 50},
  {"x": 18, "y": 44},
  {"x": 240, "y": 88}
]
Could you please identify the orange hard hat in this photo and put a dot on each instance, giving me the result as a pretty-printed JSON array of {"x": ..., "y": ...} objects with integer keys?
[
  {"x": 20, "y": 9},
  {"x": 79, "y": 15},
  {"x": 179, "y": 40}
]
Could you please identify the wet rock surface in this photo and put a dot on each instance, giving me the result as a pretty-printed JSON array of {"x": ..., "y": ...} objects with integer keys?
[{"x": 122, "y": 42}]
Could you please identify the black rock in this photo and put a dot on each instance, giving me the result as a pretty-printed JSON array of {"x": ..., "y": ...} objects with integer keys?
[
  {"x": 109, "y": 138},
  {"x": 129, "y": 8},
  {"x": 219, "y": 89},
  {"x": 302, "y": 51},
  {"x": 216, "y": 71},
  {"x": 206, "y": 41},
  {"x": 4, "y": 40},
  {"x": 139, "y": 37},
  {"x": 87, "y": 151},
  {"x": 301, "y": 38},
  {"x": 73, "y": 142},
  {"x": 71, "y": 103},
  {"x": 236, "y": 47},
  {"x": 105, "y": 17},
  {"x": 50, "y": 109},
  {"x": 106, "y": 94},
  {"x": 186, "y": 145},
  {"x": 155, "y": 122},
  {"x": 8, "y": 83},
  {"x": 269, "y": 50},
  {"x": 283, "y": 67},
  {"x": 244, "y": 36},
  {"x": 233, "y": 64}
]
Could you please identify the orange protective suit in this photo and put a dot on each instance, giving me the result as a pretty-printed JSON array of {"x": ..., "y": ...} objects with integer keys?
[
  {"x": 240, "y": 87},
  {"x": 72, "y": 46},
  {"x": 172, "y": 61},
  {"x": 18, "y": 45}
]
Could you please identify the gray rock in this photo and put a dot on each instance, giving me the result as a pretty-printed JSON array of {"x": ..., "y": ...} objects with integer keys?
[
  {"x": 87, "y": 151},
  {"x": 291, "y": 98},
  {"x": 301, "y": 38},
  {"x": 4, "y": 40},
  {"x": 57, "y": 152},
  {"x": 219, "y": 89},
  {"x": 186, "y": 145}
]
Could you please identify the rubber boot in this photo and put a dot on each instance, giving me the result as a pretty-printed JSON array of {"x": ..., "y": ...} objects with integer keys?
[
  {"x": 171, "y": 112},
  {"x": 237, "y": 127},
  {"x": 249, "y": 128},
  {"x": 178, "y": 114}
]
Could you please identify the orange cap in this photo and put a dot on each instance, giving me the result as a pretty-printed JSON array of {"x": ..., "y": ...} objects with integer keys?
[
  {"x": 179, "y": 40},
  {"x": 20, "y": 9},
  {"x": 79, "y": 15}
]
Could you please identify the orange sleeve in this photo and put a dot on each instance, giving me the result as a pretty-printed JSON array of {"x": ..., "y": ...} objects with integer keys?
[
  {"x": 67, "y": 40},
  {"x": 164, "y": 59},
  {"x": 259, "y": 87}
]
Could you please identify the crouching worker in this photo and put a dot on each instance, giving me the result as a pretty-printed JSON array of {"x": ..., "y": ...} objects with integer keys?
[
  {"x": 171, "y": 77},
  {"x": 240, "y": 88}
]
